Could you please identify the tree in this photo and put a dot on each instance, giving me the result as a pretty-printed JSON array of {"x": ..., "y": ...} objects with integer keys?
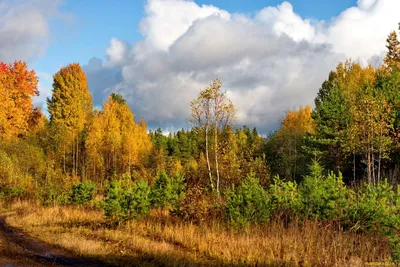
[
  {"x": 94, "y": 145},
  {"x": 201, "y": 119},
  {"x": 70, "y": 107},
  {"x": 115, "y": 142},
  {"x": 212, "y": 109},
  {"x": 223, "y": 115},
  {"x": 370, "y": 127},
  {"x": 17, "y": 87},
  {"x": 332, "y": 110},
  {"x": 392, "y": 58},
  {"x": 289, "y": 140}
]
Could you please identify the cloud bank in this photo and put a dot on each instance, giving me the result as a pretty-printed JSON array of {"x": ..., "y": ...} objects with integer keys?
[{"x": 270, "y": 61}]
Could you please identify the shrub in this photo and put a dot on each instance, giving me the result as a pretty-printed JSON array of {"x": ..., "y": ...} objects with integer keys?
[
  {"x": 376, "y": 208},
  {"x": 248, "y": 203},
  {"x": 324, "y": 197},
  {"x": 125, "y": 199},
  {"x": 52, "y": 194},
  {"x": 82, "y": 192},
  {"x": 198, "y": 206},
  {"x": 285, "y": 199},
  {"x": 12, "y": 192},
  {"x": 167, "y": 191}
]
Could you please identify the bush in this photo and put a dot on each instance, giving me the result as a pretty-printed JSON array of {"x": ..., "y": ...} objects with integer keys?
[
  {"x": 285, "y": 199},
  {"x": 376, "y": 208},
  {"x": 248, "y": 203},
  {"x": 52, "y": 194},
  {"x": 324, "y": 197},
  {"x": 167, "y": 191},
  {"x": 12, "y": 193},
  {"x": 82, "y": 192},
  {"x": 198, "y": 206},
  {"x": 126, "y": 200}
]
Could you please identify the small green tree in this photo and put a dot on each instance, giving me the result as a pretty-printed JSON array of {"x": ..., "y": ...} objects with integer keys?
[
  {"x": 324, "y": 197},
  {"x": 82, "y": 192},
  {"x": 167, "y": 191},
  {"x": 285, "y": 199},
  {"x": 248, "y": 203},
  {"x": 126, "y": 200}
]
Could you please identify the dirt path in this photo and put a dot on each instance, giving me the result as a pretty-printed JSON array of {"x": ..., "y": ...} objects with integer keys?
[{"x": 23, "y": 250}]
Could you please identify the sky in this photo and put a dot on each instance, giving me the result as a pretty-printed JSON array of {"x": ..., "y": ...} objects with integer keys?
[{"x": 271, "y": 55}]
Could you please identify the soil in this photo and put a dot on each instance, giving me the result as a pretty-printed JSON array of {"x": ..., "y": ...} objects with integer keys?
[{"x": 24, "y": 250}]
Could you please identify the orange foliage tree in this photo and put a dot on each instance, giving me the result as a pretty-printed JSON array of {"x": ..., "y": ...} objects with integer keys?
[{"x": 17, "y": 87}]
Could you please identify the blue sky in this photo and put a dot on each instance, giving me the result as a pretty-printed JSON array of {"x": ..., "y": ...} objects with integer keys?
[
  {"x": 96, "y": 22},
  {"x": 272, "y": 56}
]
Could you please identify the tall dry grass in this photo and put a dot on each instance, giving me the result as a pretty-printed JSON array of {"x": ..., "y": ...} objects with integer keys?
[{"x": 161, "y": 240}]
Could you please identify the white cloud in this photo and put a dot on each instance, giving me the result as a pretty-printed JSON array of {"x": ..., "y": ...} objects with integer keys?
[
  {"x": 117, "y": 53},
  {"x": 167, "y": 20},
  {"x": 282, "y": 19},
  {"x": 269, "y": 62},
  {"x": 24, "y": 28},
  {"x": 361, "y": 32}
]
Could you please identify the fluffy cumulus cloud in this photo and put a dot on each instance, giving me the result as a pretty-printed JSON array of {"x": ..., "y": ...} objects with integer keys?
[
  {"x": 25, "y": 35},
  {"x": 24, "y": 28},
  {"x": 269, "y": 63}
]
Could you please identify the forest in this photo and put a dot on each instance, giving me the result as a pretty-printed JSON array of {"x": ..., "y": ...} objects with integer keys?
[{"x": 322, "y": 190}]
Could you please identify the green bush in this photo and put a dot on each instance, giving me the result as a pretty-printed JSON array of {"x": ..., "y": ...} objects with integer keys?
[
  {"x": 376, "y": 208},
  {"x": 82, "y": 192},
  {"x": 12, "y": 193},
  {"x": 248, "y": 203},
  {"x": 52, "y": 194},
  {"x": 125, "y": 199},
  {"x": 167, "y": 191},
  {"x": 285, "y": 199},
  {"x": 324, "y": 197}
]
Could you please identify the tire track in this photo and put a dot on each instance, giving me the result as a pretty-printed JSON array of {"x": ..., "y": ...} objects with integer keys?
[{"x": 40, "y": 252}]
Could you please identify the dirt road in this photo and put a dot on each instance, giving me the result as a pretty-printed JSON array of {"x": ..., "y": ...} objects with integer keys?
[{"x": 19, "y": 249}]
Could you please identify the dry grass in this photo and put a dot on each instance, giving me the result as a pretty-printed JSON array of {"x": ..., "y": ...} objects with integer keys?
[{"x": 164, "y": 241}]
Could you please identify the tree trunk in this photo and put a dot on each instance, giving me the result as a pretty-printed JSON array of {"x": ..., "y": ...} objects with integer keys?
[
  {"x": 354, "y": 168},
  {"x": 64, "y": 159},
  {"x": 369, "y": 167},
  {"x": 73, "y": 156},
  {"x": 77, "y": 157},
  {"x": 373, "y": 168},
  {"x": 216, "y": 155},
  {"x": 208, "y": 161}
]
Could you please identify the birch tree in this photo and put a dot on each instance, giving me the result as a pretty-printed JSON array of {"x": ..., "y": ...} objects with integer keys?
[{"x": 212, "y": 110}]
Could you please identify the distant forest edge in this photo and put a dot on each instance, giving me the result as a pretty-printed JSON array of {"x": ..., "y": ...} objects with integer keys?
[{"x": 337, "y": 163}]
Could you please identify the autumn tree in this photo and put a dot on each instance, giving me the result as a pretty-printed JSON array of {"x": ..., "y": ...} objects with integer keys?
[
  {"x": 212, "y": 110},
  {"x": 332, "y": 110},
  {"x": 369, "y": 129},
  {"x": 286, "y": 145},
  {"x": 70, "y": 107},
  {"x": 392, "y": 58},
  {"x": 94, "y": 145},
  {"x": 17, "y": 87},
  {"x": 115, "y": 143}
]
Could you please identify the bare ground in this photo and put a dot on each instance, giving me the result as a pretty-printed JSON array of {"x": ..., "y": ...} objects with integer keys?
[{"x": 19, "y": 249}]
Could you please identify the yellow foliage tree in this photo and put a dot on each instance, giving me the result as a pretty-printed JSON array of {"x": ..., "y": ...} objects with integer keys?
[
  {"x": 70, "y": 108},
  {"x": 295, "y": 126},
  {"x": 115, "y": 143},
  {"x": 17, "y": 87}
]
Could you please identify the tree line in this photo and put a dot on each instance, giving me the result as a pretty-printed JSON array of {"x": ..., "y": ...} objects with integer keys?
[{"x": 353, "y": 129}]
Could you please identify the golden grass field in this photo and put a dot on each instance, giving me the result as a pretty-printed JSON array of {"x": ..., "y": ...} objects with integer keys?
[{"x": 162, "y": 240}]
